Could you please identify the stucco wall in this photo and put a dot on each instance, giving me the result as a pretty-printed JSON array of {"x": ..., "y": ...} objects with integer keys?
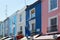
[
  {"x": 23, "y": 22},
  {"x": 46, "y": 14}
]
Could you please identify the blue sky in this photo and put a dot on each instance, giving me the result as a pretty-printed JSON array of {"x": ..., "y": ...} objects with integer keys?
[{"x": 12, "y": 6}]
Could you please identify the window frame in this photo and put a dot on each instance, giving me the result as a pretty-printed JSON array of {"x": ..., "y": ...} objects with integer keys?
[
  {"x": 33, "y": 28},
  {"x": 31, "y": 13},
  {"x": 49, "y": 19},
  {"x": 49, "y": 10},
  {"x": 21, "y": 28},
  {"x": 20, "y": 17},
  {"x": 30, "y": 23}
]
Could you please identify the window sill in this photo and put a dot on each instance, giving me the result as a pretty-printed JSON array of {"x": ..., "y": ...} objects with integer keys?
[
  {"x": 52, "y": 32},
  {"x": 53, "y": 9}
]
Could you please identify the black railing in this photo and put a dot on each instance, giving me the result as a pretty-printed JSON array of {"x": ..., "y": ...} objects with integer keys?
[{"x": 52, "y": 28}]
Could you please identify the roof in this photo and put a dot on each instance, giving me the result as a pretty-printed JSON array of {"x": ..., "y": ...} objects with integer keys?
[
  {"x": 0, "y": 21},
  {"x": 21, "y": 10},
  {"x": 34, "y": 4},
  {"x": 6, "y": 19}
]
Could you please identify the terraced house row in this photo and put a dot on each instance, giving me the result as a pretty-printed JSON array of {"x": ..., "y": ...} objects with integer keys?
[{"x": 39, "y": 20}]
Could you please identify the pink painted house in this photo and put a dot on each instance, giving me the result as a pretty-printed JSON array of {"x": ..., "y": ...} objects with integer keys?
[
  {"x": 50, "y": 20},
  {"x": 50, "y": 16}
]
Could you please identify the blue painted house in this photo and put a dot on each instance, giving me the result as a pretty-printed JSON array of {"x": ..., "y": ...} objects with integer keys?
[
  {"x": 6, "y": 26},
  {"x": 33, "y": 18},
  {"x": 12, "y": 23}
]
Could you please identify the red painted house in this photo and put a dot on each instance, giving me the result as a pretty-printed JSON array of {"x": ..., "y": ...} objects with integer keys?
[{"x": 50, "y": 17}]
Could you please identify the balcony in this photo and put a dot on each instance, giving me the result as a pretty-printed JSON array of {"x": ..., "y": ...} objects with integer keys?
[{"x": 52, "y": 28}]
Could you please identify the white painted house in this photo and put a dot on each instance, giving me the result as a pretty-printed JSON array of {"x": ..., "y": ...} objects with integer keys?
[{"x": 21, "y": 20}]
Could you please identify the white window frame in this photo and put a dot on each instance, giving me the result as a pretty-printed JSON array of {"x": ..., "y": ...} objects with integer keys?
[
  {"x": 31, "y": 22},
  {"x": 50, "y": 7},
  {"x": 20, "y": 18},
  {"x": 30, "y": 12},
  {"x": 21, "y": 28},
  {"x": 52, "y": 18}
]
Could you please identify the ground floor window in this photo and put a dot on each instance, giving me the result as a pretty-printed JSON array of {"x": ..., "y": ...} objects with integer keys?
[{"x": 53, "y": 24}]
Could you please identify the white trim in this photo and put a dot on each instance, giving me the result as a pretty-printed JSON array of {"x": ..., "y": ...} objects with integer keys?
[
  {"x": 50, "y": 7},
  {"x": 35, "y": 36},
  {"x": 58, "y": 35},
  {"x": 31, "y": 22},
  {"x": 20, "y": 18},
  {"x": 30, "y": 11},
  {"x": 45, "y": 37},
  {"x": 52, "y": 32},
  {"x": 24, "y": 38},
  {"x": 56, "y": 16},
  {"x": 29, "y": 36}
]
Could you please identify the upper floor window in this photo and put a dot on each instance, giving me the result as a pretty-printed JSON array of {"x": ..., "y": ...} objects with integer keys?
[
  {"x": 53, "y": 24},
  {"x": 32, "y": 13},
  {"x": 53, "y": 5},
  {"x": 20, "y": 18},
  {"x": 33, "y": 27},
  {"x": 20, "y": 28}
]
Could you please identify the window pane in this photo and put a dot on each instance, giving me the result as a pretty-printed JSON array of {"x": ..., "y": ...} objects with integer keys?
[
  {"x": 33, "y": 27},
  {"x": 53, "y": 4},
  {"x": 53, "y": 25},
  {"x": 20, "y": 18},
  {"x": 33, "y": 13},
  {"x": 20, "y": 28},
  {"x": 53, "y": 28},
  {"x": 54, "y": 21}
]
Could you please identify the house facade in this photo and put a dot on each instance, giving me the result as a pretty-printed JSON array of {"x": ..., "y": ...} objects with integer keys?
[
  {"x": 33, "y": 19},
  {"x": 50, "y": 17},
  {"x": 17, "y": 22},
  {"x": 13, "y": 24},
  {"x": 6, "y": 27},
  {"x": 1, "y": 29},
  {"x": 21, "y": 21}
]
